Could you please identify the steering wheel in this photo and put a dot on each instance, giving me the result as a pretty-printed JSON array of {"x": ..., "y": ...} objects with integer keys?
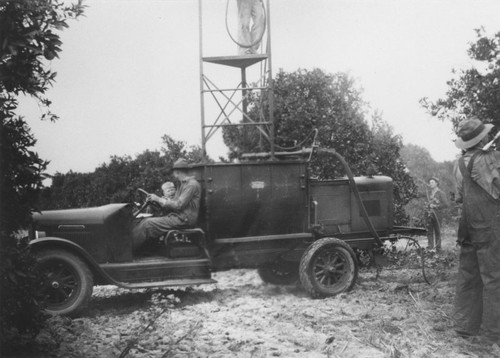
[{"x": 145, "y": 204}]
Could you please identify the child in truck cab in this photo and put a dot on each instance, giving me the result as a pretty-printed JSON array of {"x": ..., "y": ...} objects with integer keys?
[
  {"x": 168, "y": 189},
  {"x": 182, "y": 208}
]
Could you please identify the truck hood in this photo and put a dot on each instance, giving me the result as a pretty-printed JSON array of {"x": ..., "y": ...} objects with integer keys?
[{"x": 86, "y": 216}]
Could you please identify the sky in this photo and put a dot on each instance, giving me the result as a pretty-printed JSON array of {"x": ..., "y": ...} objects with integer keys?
[{"x": 129, "y": 71}]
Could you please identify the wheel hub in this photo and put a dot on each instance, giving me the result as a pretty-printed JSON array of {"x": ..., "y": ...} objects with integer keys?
[
  {"x": 55, "y": 284},
  {"x": 329, "y": 269}
]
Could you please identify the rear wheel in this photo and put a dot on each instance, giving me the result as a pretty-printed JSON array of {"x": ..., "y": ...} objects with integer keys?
[
  {"x": 279, "y": 273},
  {"x": 328, "y": 267},
  {"x": 68, "y": 282}
]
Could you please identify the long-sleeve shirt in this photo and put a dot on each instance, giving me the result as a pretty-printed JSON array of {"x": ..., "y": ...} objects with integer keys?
[
  {"x": 186, "y": 201},
  {"x": 437, "y": 199},
  {"x": 485, "y": 172}
]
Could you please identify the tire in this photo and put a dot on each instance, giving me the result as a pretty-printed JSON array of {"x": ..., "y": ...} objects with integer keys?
[
  {"x": 279, "y": 273},
  {"x": 328, "y": 267},
  {"x": 68, "y": 282}
]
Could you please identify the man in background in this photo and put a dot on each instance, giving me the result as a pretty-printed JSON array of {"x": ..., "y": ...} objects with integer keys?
[{"x": 437, "y": 201}]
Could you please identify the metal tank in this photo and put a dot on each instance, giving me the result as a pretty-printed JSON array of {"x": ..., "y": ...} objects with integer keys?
[{"x": 276, "y": 198}]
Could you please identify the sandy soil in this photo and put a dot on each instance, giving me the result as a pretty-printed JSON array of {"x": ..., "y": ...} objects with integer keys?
[{"x": 393, "y": 314}]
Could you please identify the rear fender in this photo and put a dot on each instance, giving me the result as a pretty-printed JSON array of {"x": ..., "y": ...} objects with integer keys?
[{"x": 101, "y": 277}]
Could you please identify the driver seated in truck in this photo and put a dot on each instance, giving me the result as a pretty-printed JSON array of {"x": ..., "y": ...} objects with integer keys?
[{"x": 182, "y": 209}]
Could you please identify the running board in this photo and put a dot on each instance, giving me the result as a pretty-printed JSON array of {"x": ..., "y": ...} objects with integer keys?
[{"x": 167, "y": 283}]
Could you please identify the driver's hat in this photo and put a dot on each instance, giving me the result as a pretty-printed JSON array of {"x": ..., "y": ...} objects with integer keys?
[{"x": 181, "y": 163}]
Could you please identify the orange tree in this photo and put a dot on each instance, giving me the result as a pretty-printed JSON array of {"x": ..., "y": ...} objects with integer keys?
[
  {"x": 28, "y": 39},
  {"x": 474, "y": 91},
  {"x": 312, "y": 99},
  {"x": 117, "y": 181}
]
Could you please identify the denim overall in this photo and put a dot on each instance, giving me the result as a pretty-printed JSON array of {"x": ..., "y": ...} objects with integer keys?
[{"x": 478, "y": 285}]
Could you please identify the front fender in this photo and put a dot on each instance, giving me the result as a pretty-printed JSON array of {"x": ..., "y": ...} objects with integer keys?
[
  {"x": 44, "y": 242},
  {"x": 59, "y": 243}
]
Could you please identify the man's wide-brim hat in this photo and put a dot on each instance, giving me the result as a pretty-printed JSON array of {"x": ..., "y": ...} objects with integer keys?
[
  {"x": 181, "y": 164},
  {"x": 471, "y": 132},
  {"x": 435, "y": 179}
]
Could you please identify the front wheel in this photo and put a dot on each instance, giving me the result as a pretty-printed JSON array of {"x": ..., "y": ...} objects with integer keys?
[
  {"x": 328, "y": 267},
  {"x": 67, "y": 284}
]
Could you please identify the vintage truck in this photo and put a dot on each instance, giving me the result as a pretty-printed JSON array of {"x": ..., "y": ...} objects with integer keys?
[{"x": 258, "y": 213}]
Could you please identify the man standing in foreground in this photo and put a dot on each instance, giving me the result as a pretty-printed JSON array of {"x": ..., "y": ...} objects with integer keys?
[
  {"x": 182, "y": 208},
  {"x": 477, "y": 176}
]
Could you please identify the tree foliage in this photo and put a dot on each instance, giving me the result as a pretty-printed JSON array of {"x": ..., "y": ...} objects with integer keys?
[
  {"x": 28, "y": 38},
  {"x": 305, "y": 100},
  {"x": 21, "y": 174},
  {"x": 118, "y": 180},
  {"x": 20, "y": 181},
  {"x": 28, "y": 30},
  {"x": 474, "y": 91}
]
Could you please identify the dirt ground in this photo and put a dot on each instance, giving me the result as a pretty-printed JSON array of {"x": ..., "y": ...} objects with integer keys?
[{"x": 391, "y": 314}]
